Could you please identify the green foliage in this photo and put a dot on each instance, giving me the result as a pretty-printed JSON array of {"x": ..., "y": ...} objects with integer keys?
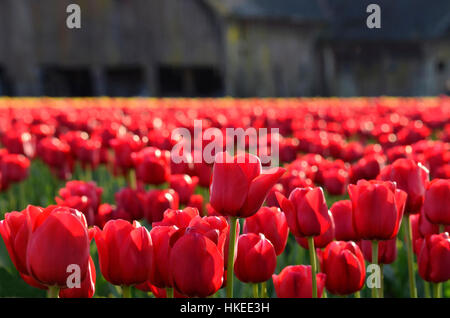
[{"x": 41, "y": 188}]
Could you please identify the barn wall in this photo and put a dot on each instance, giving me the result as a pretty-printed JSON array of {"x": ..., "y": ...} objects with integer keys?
[
  {"x": 271, "y": 59},
  {"x": 113, "y": 32}
]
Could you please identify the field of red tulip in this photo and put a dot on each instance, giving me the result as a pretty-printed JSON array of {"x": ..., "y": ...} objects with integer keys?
[{"x": 93, "y": 204}]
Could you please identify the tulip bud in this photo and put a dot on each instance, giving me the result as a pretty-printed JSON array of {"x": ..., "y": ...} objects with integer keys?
[
  {"x": 377, "y": 209},
  {"x": 343, "y": 263},
  {"x": 434, "y": 258},
  {"x": 436, "y": 206},
  {"x": 125, "y": 252},
  {"x": 196, "y": 265},
  {"x": 306, "y": 211},
  {"x": 238, "y": 188},
  {"x": 256, "y": 259}
]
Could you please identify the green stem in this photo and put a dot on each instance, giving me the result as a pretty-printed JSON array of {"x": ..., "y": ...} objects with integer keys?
[
  {"x": 169, "y": 292},
  {"x": 23, "y": 200},
  {"x": 409, "y": 250},
  {"x": 53, "y": 292},
  {"x": 230, "y": 266},
  {"x": 132, "y": 179},
  {"x": 312, "y": 258},
  {"x": 437, "y": 290},
  {"x": 264, "y": 290},
  {"x": 381, "y": 291},
  {"x": 255, "y": 291},
  {"x": 441, "y": 228},
  {"x": 126, "y": 291},
  {"x": 426, "y": 287},
  {"x": 358, "y": 294},
  {"x": 375, "y": 261}
]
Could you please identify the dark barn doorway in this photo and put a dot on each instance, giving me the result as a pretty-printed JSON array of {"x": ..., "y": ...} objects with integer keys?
[
  {"x": 125, "y": 81},
  {"x": 67, "y": 82},
  {"x": 184, "y": 81}
]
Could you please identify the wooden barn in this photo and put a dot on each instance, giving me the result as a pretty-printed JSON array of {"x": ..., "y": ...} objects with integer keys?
[{"x": 223, "y": 47}]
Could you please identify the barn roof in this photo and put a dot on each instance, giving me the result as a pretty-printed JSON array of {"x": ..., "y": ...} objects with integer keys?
[{"x": 346, "y": 19}]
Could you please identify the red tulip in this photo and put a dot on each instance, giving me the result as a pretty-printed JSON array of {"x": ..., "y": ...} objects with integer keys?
[
  {"x": 88, "y": 152},
  {"x": 272, "y": 223},
  {"x": 184, "y": 185},
  {"x": 196, "y": 201},
  {"x": 196, "y": 266},
  {"x": 434, "y": 258},
  {"x": 19, "y": 142},
  {"x": 387, "y": 251},
  {"x": 215, "y": 228},
  {"x": 83, "y": 196},
  {"x": 368, "y": 167},
  {"x": 377, "y": 209},
  {"x": 155, "y": 202},
  {"x": 87, "y": 287},
  {"x": 15, "y": 230},
  {"x": 335, "y": 181},
  {"x": 58, "y": 239},
  {"x": 125, "y": 252},
  {"x": 238, "y": 187},
  {"x": 14, "y": 168},
  {"x": 123, "y": 147},
  {"x": 295, "y": 282},
  {"x": 436, "y": 206},
  {"x": 129, "y": 201},
  {"x": 56, "y": 154},
  {"x": 157, "y": 291},
  {"x": 343, "y": 263},
  {"x": 256, "y": 259},
  {"x": 410, "y": 177},
  {"x": 179, "y": 218},
  {"x": 320, "y": 241},
  {"x": 163, "y": 238},
  {"x": 272, "y": 198},
  {"x": 306, "y": 212},
  {"x": 343, "y": 221},
  {"x": 152, "y": 165}
]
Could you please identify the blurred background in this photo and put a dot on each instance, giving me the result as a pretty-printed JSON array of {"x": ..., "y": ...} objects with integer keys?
[{"x": 211, "y": 48}]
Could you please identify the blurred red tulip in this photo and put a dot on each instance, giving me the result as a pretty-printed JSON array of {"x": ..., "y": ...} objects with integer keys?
[
  {"x": 295, "y": 282},
  {"x": 83, "y": 196},
  {"x": 152, "y": 165},
  {"x": 156, "y": 202},
  {"x": 184, "y": 185},
  {"x": 410, "y": 177}
]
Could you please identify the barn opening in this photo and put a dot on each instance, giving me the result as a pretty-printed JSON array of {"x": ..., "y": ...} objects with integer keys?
[
  {"x": 5, "y": 84},
  {"x": 67, "y": 81},
  {"x": 125, "y": 81},
  {"x": 189, "y": 81}
]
